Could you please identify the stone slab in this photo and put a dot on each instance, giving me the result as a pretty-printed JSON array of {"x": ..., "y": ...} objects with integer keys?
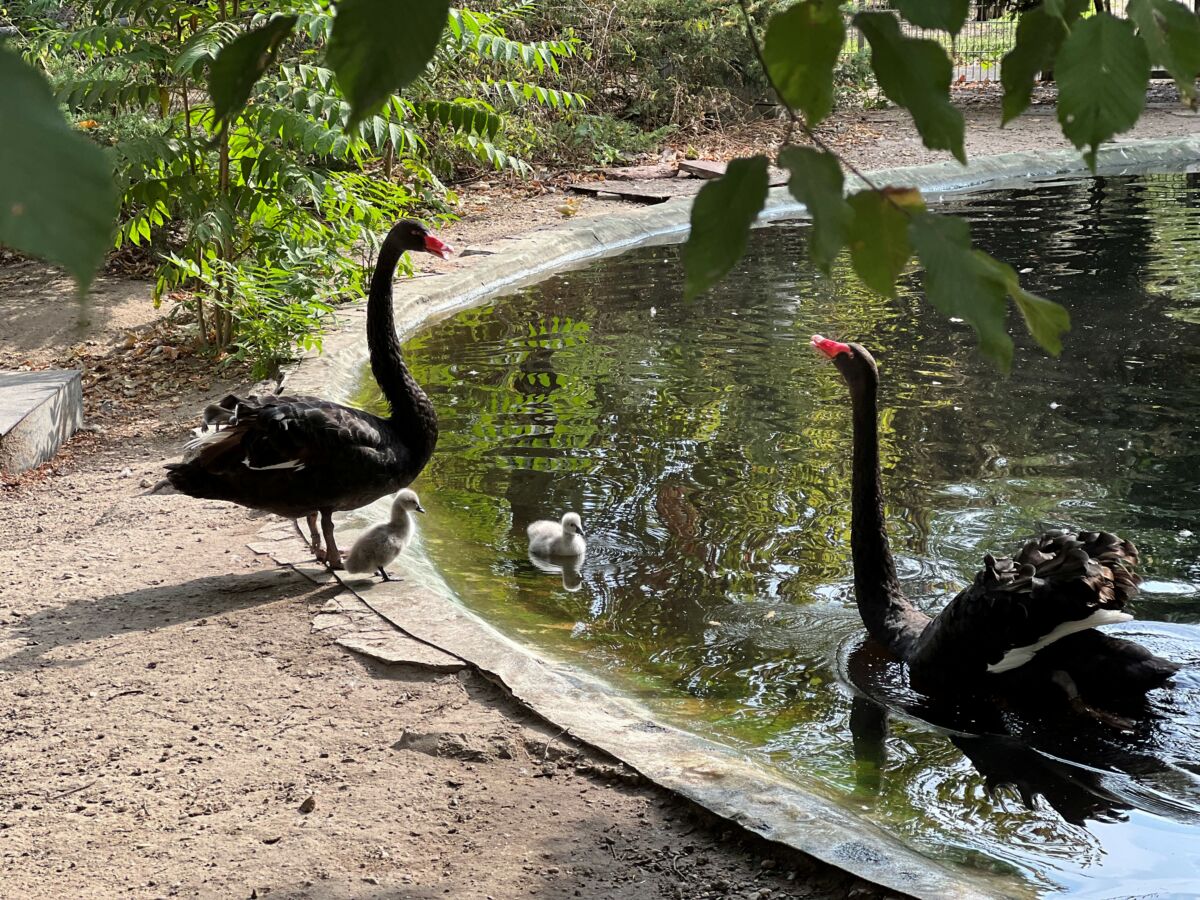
[
  {"x": 395, "y": 649},
  {"x": 38, "y": 412}
]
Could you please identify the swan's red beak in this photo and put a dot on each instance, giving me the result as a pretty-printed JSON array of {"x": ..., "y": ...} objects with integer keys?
[
  {"x": 828, "y": 347},
  {"x": 437, "y": 247}
]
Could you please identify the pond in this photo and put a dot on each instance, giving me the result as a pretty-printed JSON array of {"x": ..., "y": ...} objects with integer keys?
[{"x": 707, "y": 448}]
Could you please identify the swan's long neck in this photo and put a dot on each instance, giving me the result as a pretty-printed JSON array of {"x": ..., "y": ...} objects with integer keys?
[
  {"x": 413, "y": 416},
  {"x": 889, "y": 616}
]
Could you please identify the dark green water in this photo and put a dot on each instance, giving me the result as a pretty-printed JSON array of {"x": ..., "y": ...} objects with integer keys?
[{"x": 707, "y": 449}]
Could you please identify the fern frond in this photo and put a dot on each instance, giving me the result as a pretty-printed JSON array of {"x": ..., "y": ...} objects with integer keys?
[
  {"x": 104, "y": 93},
  {"x": 202, "y": 48},
  {"x": 460, "y": 115},
  {"x": 521, "y": 93},
  {"x": 487, "y": 152}
]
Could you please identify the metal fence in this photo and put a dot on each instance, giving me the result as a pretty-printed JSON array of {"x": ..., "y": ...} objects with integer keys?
[{"x": 990, "y": 32}]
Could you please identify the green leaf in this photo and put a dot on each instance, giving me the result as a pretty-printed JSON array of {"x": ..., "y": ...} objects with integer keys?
[
  {"x": 1040, "y": 33},
  {"x": 801, "y": 49},
  {"x": 1172, "y": 32},
  {"x": 722, "y": 215},
  {"x": 879, "y": 245},
  {"x": 915, "y": 73},
  {"x": 1046, "y": 320},
  {"x": 1102, "y": 71},
  {"x": 948, "y": 15},
  {"x": 379, "y": 46},
  {"x": 239, "y": 65},
  {"x": 817, "y": 183},
  {"x": 58, "y": 198},
  {"x": 962, "y": 282}
]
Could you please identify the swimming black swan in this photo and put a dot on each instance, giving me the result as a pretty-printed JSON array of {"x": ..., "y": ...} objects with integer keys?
[
  {"x": 1024, "y": 623},
  {"x": 382, "y": 543},
  {"x": 299, "y": 456}
]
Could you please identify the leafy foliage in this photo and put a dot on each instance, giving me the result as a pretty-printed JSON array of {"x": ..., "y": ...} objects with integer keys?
[
  {"x": 1039, "y": 35},
  {"x": 915, "y": 73},
  {"x": 242, "y": 138},
  {"x": 802, "y": 47},
  {"x": 379, "y": 46},
  {"x": 1103, "y": 70},
  {"x": 721, "y": 218},
  {"x": 1172, "y": 35},
  {"x": 242, "y": 164},
  {"x": 816, "y": 181},
  {"x": 57, "y": 198}
]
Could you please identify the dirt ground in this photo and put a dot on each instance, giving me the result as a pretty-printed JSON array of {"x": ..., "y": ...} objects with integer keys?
[{"x": 171, "y": 726}]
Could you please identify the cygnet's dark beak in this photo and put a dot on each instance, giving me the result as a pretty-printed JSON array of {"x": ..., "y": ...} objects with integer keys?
[
  {"x": 579, "y": 530},
  {"x": 420, "y": 508}
]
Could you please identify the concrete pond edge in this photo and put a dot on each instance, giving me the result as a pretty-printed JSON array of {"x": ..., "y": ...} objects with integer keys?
[{"x": 436, "y": 630}]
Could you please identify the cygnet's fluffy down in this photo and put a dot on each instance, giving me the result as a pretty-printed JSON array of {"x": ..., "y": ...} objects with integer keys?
[
  {"x": 380, "y": 544},
  {"x": 564, "y": 538}
]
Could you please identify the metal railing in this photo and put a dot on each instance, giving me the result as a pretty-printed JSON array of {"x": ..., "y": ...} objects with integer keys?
[{"x": 976, "y": 51}]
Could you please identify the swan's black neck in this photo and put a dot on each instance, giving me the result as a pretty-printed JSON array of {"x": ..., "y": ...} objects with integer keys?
[
  {"x": 413, "y": 417},
  {"x": 889, "y": 616}
]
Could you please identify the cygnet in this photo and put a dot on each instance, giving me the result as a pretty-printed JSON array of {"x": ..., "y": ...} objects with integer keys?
[
  {"x": 548, "y": 538},
  {"x": 380, "y": 544}
]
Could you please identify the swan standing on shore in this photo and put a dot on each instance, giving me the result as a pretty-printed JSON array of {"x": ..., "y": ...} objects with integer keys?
[
  {"x": 382, "y": 543},
  {"x": 565, "y": 539},
  {"x": 300, "y": 457}
]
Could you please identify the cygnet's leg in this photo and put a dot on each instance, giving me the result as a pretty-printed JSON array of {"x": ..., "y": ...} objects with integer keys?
[
  {"x": 314, "y": 538},
  {"x": 383, "y": 574},
  {"x": 333, "y": 558}
]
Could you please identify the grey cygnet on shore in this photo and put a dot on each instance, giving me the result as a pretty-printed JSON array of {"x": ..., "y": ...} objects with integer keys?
[{"x": 380, "y": 544}]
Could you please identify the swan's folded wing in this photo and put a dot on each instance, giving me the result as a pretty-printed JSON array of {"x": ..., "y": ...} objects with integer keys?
[
  {"x": 1061, "y": 584},
  {"x": 276, "y": 433}
]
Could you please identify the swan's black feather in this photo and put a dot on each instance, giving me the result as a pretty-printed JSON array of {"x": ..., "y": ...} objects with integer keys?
[
  {"x": 337, "y": 458},
  {"x": 1059, "y": 580}
]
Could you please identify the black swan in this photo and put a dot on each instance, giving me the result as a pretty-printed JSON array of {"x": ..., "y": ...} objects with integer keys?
[
  {"x": 1024, "y": 624},
  {"x": 300, "y": 456}
]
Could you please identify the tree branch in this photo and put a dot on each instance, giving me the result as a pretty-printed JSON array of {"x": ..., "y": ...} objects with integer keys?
[{"x": 795, "y": 120}]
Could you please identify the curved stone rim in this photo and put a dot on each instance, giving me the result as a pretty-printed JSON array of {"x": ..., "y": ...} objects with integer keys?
[{"x": 716, "y": 776}]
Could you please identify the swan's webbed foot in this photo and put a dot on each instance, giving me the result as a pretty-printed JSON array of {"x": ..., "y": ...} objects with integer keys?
[{"x": 384, "y": 575}]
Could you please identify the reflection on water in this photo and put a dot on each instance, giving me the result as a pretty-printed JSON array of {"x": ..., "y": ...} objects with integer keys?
[{"x": 707, "y": 448}]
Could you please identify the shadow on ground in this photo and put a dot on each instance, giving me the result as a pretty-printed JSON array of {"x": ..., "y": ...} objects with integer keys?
[{"x": 147, "y": 609}]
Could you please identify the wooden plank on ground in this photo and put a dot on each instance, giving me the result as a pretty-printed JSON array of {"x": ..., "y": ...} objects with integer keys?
[
  {"x": 710, "y": 168},
  {"x": 638, "y": 192},
  {"x": 702, "y": 168}
]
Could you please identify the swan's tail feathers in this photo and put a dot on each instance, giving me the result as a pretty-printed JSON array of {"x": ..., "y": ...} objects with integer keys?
[
  {"x": 192, "y": 479},
  {"x": 1061, "y": 585},
  {"x": 1101, "y": 562}
]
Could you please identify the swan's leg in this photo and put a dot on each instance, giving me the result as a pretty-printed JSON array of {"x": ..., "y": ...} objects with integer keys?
[
  {"x": 314, "y": 538},
  {"x": 1081, "y": 707},
  {"x": 383, "y": 574},
  {"x": 333, "y": 557}
]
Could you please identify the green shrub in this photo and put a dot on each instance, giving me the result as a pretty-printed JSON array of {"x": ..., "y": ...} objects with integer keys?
[{"x": 267, "y": 218}]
